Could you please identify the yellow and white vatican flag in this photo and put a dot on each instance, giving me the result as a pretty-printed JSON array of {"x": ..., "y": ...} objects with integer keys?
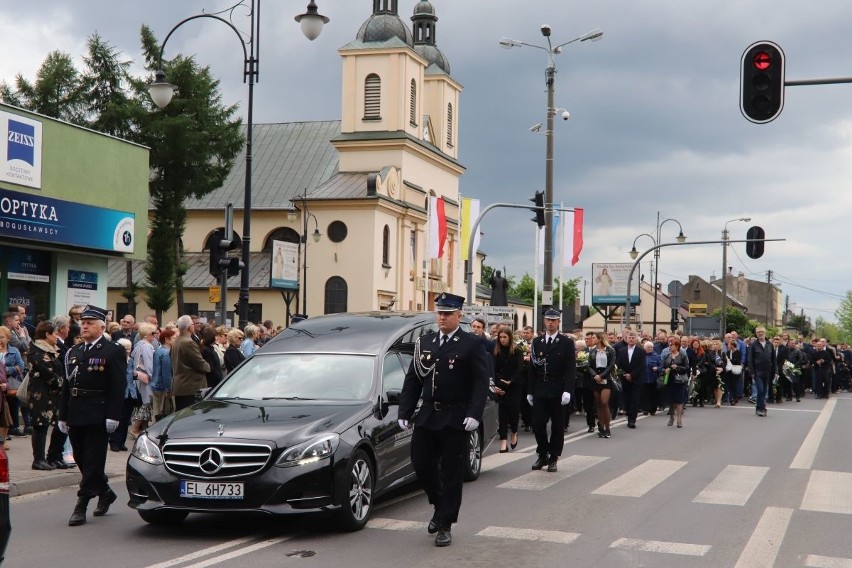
[{"x": 469, "y": 215}]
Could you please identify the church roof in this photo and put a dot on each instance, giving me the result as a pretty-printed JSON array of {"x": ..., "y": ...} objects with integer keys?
[
  {"x": 197, "y": 274},
  {"x": 288, "y": 157}
]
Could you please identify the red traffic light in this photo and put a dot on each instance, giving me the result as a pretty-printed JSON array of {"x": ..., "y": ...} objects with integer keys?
[{"x": 762, "y": 61}]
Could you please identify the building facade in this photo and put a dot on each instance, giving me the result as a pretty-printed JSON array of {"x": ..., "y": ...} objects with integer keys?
[
  {"x": 71, "y": 200},
  {"x": 349, "y": 197}
]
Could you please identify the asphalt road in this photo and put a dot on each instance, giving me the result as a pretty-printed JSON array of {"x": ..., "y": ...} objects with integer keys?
[{"x": 728, "y": 489}]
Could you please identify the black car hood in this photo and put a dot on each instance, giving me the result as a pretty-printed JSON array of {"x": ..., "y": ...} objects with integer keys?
[{"x": 283, "y": 423}]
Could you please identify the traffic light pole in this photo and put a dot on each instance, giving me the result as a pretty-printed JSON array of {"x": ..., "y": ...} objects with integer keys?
[
  {"x": 625, "y": 319},
  {"x": 473, "y": 230}
]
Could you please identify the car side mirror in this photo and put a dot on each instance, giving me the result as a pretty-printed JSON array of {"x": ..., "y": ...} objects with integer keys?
[
  {"x": 201, "y": 394},
  {"x": 393, "y": 396}
]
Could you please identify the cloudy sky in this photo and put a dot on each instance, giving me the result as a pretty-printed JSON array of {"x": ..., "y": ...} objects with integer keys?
[{"x": 655, "y": 122}]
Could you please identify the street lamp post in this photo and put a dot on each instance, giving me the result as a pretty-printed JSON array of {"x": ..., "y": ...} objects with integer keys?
[
  {"x": 303, "y": 244},
  {"x": 681, "y": 238},
  {"x": 723, "y": 316},
  {"x": 550, "y": 79},
  {"x": 161, "y": 93}
]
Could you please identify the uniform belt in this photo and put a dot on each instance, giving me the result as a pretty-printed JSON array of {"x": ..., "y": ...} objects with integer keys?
[
  {"x": 84, "y": 393},
  {"x": 440, "y": 405}
]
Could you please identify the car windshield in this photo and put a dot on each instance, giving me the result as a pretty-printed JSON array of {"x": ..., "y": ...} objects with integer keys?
[{"x": 300, "y": 376}]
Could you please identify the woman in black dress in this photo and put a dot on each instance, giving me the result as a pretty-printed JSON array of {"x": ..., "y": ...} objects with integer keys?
[
  {"x": 233, "y": 355},
  {"x": 208, "y": 351},
  {"x": 677, "y": 364},
  {"x": 45, "y": 388},
  {"x": 508, "y": 386},
  {"x": 601, "y": 366}
]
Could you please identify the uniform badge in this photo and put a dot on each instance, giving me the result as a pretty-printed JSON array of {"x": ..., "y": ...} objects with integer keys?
[{"x": 451, "y": 362}]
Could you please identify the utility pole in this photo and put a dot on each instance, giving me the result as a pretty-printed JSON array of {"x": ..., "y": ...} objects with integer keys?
[{"x": 769, "y": 319}]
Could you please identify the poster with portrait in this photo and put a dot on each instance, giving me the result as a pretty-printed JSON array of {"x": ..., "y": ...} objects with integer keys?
[
  {"x": 284, "y": 272},
  {"x": 609, "y": 284}
]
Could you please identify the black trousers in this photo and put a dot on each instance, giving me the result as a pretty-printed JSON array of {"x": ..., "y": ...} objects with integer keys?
[
  {"x": 119, "y": 437},
  {"x": 442, "y": 483},
  {"x": 56, "y": 450},
  {"x": 508, "y": 410},
  {"x": 90, "y": 452},
  {"x": 650, "y": 398},
  {"x": 548, "y": 409},
  {"x": 630, "y": 397},
  {"x": 588, "y": 396}
]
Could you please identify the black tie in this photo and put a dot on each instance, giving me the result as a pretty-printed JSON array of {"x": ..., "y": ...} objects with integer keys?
[
  {"x": 444, "y": 339},
  {"x": 549, "y": 340}
]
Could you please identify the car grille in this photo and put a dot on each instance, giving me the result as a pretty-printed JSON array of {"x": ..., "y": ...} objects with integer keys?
[{"x": 206, "y": 460}]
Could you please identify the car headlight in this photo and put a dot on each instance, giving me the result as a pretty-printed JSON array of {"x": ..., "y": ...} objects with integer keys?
[
  {"x": 146, "y": 450},
  {"x": 310, "y": 451}
]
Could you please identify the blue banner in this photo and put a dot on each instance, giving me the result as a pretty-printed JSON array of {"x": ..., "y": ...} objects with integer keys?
[{"x": 48, "y": 220}]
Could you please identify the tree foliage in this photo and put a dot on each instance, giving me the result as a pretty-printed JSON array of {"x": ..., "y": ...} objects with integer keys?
[
  {"x": 193, "y": 142},
  {"x": 844, "y": 315},
  {"x": 801, "y": 324}
]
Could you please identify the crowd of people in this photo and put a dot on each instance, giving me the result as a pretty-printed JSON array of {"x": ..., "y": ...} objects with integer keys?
[
  {"x": 165, "y": 367},
  {"x": 631, "y": 373}
]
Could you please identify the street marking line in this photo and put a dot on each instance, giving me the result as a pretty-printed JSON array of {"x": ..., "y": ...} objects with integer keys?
[
  {"x": 733, "y": 486},
  {"x": 538, "y": 480},
  {"x": 558, "y": 537},
  {"x": 681, "y": 548},
  {"x": 807, "y": 451},
  {"x": 582, "y": 434},
  {"x": 640, "y": 479},
  {"x": 828, "y": 492},
  {"x": 240, "y": 552},
  {"x": 395, "y": 525},
  {"x": 201, "y": 553},
  {"x": 765, "y": 542},
  {"x": 817, "y": 561},
  {"x": 498, "y": 460}
]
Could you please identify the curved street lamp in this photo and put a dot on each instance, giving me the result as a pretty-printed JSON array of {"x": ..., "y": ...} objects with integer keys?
[
  {"x": 550, "y": 80},
  {"x": 161, "y": 92}
]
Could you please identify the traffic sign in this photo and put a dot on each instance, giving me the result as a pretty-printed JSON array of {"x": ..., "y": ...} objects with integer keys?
[{"x": 215, "y": 294}]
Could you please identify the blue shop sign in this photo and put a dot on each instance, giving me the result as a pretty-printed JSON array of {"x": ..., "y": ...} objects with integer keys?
[{"x": 48, "y": 220}]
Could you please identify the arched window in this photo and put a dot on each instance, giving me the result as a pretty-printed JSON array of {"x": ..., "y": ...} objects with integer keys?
[
  {"x": 336, "y": 293},
  {"x": 285, "y": 234},
  {"x": 236, "y": 241},
  {"x": 412, "y": 112},
  {"x": 450, "y": 125},
  {"x": 386, "y": 246},
  {"x": 372, "y": 97}
]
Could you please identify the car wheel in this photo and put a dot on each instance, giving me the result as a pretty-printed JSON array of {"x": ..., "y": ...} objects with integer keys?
[
  {"x": 474, "y": 456},
  {"x": 163, "y": 517},
  {"x": 358, "y": 501}
]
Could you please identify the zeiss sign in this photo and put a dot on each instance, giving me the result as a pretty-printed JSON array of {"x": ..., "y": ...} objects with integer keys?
[{"x": 20, "y": 150}]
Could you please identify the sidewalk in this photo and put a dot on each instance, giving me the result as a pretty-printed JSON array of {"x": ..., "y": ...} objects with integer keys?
[{"x": 24, "y": 480}]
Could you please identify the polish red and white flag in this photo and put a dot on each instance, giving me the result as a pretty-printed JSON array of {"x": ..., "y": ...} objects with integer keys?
[{"x": 437, "y": 227}]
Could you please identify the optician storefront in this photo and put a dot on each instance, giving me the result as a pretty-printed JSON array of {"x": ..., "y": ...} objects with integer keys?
[{"x": 70, "y": 199}]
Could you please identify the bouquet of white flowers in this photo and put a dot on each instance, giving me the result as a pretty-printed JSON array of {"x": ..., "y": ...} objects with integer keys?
[
  {"x": 582, "y": 359},
  {"x": 790, "y": 370}
]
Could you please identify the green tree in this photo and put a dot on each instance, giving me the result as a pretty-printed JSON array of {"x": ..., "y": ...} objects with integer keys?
[
  {"x": 194, "y": 142},
  {"x": 844, "y": 314},
  {"x": 801, "y": 324},
  {"x": 57, "y": 90},
  {"x": 736, "y": 320},
  {"x": 832, "y": 332},
  {"x": 525, "y": 289}
]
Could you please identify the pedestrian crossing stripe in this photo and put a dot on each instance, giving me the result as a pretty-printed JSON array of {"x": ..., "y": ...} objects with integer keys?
[
  {"x": 681, "y": 548},
  {"x": 828, "y": 492},
  {"x": 558, "y": 537},
  {"x": 733, "y": 486},
  {"x": 641, "y": 479},
  {"x": 536, "y": 481}
]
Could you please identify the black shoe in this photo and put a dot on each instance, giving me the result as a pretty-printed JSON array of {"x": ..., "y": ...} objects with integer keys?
[
  {"x": 539, "y": 463},
  {"x": 123, "y": 448},
  {"x": 444, "y": 537},
  {"x": 631, "y": 425},
  {"x": 104, "y": 501},
  {"x": 61, "y": 464},
  {"x": 515, "y": 445},
  {"x": 28, "y": 431},
  {"x": 504, "y": 450},
  {"x": 78, "y": 517},
  {"x": 591, "y": 429},
  {"x": 432, "y": 528},
  {"x": 607, "y": 433},
  {"x": 551, "y": 466},
  {"x": 527, "y": 429},
  {"x": 42, "y": 465},
  {"x": 16, "y": 432},
  {"x": 114, "y": 448}
]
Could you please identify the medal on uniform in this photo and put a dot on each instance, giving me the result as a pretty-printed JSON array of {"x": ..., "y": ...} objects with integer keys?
[{"x": 451, "y": 362}]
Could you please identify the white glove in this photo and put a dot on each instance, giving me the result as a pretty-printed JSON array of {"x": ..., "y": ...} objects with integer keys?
[
  {"x": 402, "y": 423},
  {"x": 470, "y": 424},
  {"x": 566, "y": 398},
  {"x": 529, "y": 399},
  {"x": 111, "y": 425},
  {"x": 63, "y": 426}
]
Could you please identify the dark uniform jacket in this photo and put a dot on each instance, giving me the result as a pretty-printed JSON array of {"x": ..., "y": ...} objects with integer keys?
[
  {"x": 557, "y": 368},
  {"x": 94, "y": 389},
  {"x": 455, "y": 388}
]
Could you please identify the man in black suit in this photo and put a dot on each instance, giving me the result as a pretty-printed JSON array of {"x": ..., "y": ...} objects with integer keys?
[
  {"x": 631, "y": 360},
  {"x": 55, "y": 450},
  {"x": 551, "y": 378},
  {"x": 781, "y": 352},
  {"x": 449, "y": 372},
  {"x": 90, "y": 409}
]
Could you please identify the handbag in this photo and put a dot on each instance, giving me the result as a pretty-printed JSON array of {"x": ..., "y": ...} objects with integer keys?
[
  {"x": 681, "y": 378},
  {"x": 728, "y": 365},
  {"x": 23, "y": 392},
  {"x": 736, "y": 369},
  {"x": 616, "y": 384}
]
